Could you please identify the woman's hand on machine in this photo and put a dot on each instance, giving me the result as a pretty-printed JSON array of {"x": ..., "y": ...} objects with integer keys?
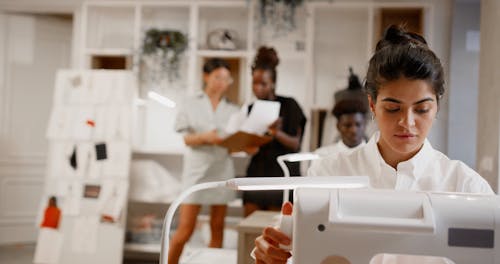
[{"x": 267, "y": 249}]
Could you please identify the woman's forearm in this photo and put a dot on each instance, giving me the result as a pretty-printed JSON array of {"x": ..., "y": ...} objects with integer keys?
[
  {"x": 203, "y": 138},
  {"x": 195, "y": 139},
  {"x": 290, "y": 142}
]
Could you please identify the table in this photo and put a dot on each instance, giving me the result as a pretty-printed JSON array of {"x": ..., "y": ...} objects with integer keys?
[{"x": 249, "y": 229}]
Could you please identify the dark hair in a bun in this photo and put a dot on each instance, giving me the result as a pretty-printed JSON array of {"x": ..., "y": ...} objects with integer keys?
[
  {"x": 396, "y": 35},
  {"x": 267, "y": 60},
  {"x": 403, "y": 54}
]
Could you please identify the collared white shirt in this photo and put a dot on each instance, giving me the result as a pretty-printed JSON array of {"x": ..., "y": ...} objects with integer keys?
[
  {"x": 336, "y": 148},
  {"x": 205, "y": 163},
  {"x": 428, "y": 170}
]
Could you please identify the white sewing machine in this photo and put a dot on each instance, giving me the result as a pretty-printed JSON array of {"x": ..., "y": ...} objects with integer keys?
[{"x": 354, "y": 225}]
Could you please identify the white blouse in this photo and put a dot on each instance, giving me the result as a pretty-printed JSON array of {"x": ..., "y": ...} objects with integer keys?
[
  {"x": 336, "y": 148},
  {"x": 428, "y": 170}
]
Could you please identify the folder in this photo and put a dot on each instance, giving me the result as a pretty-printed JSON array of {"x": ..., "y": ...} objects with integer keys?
[{"x": 240, "y": 140}]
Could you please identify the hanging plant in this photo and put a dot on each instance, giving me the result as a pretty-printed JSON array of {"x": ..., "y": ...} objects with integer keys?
[
  {"x": 161, "y": 52},
  {"x": 279, "y": 13}
]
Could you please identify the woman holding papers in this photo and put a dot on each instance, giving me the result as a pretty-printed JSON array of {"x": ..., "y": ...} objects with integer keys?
[
  {"x": 200, "y": 119},
  {"x": 286, "y": 131},
  {"x": 404, "y": 84}
]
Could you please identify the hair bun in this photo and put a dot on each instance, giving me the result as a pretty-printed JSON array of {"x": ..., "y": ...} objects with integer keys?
[
  {"x": 266, "y": 57},
  {"x": 396, "y": 35}
]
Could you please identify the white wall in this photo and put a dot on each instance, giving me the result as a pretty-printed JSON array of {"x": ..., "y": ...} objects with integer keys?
[
  {"x": 489, "y": 94},
  {"x": 440, "y": 29},
  {"x": 463, "y": 85},
  {"x": 31, "y": 49}
]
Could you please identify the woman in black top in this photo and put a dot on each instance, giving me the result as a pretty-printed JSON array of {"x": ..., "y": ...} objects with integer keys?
[{"x": 287, "y": 132}]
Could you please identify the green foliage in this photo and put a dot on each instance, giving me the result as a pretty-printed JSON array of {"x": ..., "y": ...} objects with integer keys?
[
  {"x": 164, "y": 41},
  {"x": 161, "y": 51}
]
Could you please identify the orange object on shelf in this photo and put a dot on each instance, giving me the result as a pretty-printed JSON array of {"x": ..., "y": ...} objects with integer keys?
[
  {"x": 90, "y": 123},
  {"x": 51, "y": 217}
]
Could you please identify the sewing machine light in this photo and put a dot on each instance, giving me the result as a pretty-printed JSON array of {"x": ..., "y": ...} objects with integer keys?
[
  {"x": 293, "y": 157},
  {"x": 299, "y": 157},
  {"x": 279, "y": 183}
]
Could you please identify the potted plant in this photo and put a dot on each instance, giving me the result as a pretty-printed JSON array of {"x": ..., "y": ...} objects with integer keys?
[
  {"x": 161, "y": 52},
  {"x": 279, "y": 13}
]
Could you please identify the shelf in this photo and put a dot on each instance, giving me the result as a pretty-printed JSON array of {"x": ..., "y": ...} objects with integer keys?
[
  {"x": 158, "y": 151},
  {"x": 160, "y": 203},
  {"x": 110, "y": 26},
  {"x": 109, "y": 52},
  {"x": 165, "y": 17},
  {"x": 143, "y": 248},
  {"x": 223, "y": 53},
  {"x": 234, "y": 18}
]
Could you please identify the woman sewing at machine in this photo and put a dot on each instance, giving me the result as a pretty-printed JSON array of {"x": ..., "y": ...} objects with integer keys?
[{"x": 404, "y": 84}]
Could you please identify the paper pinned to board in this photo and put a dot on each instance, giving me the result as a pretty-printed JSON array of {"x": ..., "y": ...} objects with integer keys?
[
  {"x": 84, "y": 235},
  {"x": 113, "y": 201},
  {"x": 48, "y": 246},
  {"x": 71, "y": 203}
]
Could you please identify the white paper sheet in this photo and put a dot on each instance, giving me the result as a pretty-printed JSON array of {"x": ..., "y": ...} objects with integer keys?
[
  {"x": 112, "y": 122},
  {"x": 114, "y": 198},
  {"x": 122, "y": 92},
  {"x": 125, "y": 124},
  {"x": 77, "y": 92},
  {"x": 48, "y": 246},
  {"x": 62, "y": 188},
  {"x": 263, "y": 114},
  {"x": 84, "y": 235},
  {"x": 84, "y": 158},
  {"x": 101, "y": 85},
  {"x": 95, "y": 167},
  {"x": 236, "y": 120},
  {"x": 100, "y": 123},
  {"x": 67, "y": 170},
  {"x": 90, "y": 206},
  {"x": 58, "y": 159},
  {"x": 71, "y": 203},
  {"x": 118, "y": 162},
  {"x": 82, "y": 130}
]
